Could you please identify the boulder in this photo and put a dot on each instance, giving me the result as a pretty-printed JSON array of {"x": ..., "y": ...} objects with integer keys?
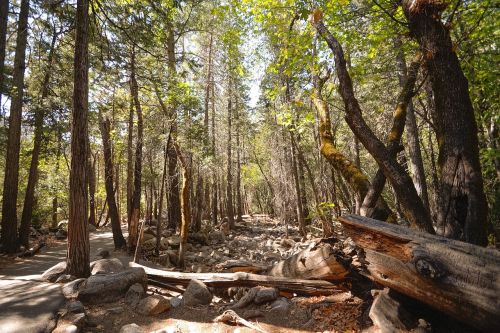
[
  {"x": 266, "y": 294},
  {"x": 67, "y": 329},
  {"x": 105, "y": 288},
  {"x": 131, "y": 328},
  {"x": 147, "y": 236},
  {"x": 92, "y": 228},
  {"x": 70, "y": 289},
  {"x": 54, "y": 272},
  {"x": 198, "y": 238},
  {"x": 61, "y": 234},
  {"x": 216, "y": 237},
  {"x": 174, "y": 241},
  {"x": 65, "y": 278},
  {"x": 103, "y": 253},
  {"x": 153, "y": 305},
  {"x": 75, "y": 307},
  {"x": 280, "y": 306},
  {"x": 134, "y": 294},
  {"x": 106, "y": 266},
  {"x": 197, "y": 293}
]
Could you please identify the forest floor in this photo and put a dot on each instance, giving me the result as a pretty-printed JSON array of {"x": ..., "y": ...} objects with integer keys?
[{"x": 258, "y": 240}]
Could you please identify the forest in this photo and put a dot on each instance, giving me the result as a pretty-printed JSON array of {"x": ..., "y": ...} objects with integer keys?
[{"x": 335, "y": 163}]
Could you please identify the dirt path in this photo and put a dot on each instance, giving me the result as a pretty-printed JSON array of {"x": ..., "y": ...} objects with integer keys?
[{"x": 28, "y": 304}]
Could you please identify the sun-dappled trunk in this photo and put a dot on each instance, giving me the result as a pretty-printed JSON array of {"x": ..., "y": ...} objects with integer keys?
[
  {"x": 462, "y": 212},
  {"x": 412, "y": 206},
  {"x": 105, "y": 128},
  {"x": 394, "y": 137},
  {"x": 78, "y": 256},
  {"x": 185, "y": 204},
  {"x": 133, "y": 231}
]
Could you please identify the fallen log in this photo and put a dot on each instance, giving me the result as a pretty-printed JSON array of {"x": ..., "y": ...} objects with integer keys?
[
  {"x": 34, "y": 249},
  {"x": 320, "y": 261},
  {"x": 241, "y": 279},
  {"x": 460, "y": 279}
]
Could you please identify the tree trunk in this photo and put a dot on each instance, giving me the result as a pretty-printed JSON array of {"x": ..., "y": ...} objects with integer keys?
[
  {"x": 239, "y": 204},
  {"x": 185, "y": 205},
  {"x": 29, "y": 197},
  {"x": 395, "y": 134},
  {"x": 136, "y": 198},
  {"x": 298, "y": 199},
  {"x": 91, "y": 163},
  {"x": 174, "y": 204},
  {"x": 105, "y": 128},
  {"x": 457, "y": 278},
  {"x": 463, "y": 209},
  {"x": 160, "y": 204},
  {"x": 78, "y": 258},
  {"x": 229, "y": 174},
  {"x": 10, "y": 187},
  {"x": 413, "y": 208},
  {"x": 130, "y": 157},
  {"x": 352, "y": 175},
  {"x": 412, "y": 136},
  {"x": 4, "y": 17}
]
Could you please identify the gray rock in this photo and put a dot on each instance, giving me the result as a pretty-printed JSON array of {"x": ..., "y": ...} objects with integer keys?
[
  {"x": 197, "y": 293},
  {"x": 92, "y": 228},
  {"x": 77, "y": 319},
  {"x": 216, "y": 237},
  {"x": 103, "y": 253},
  {"x": 131, "y": 328},
  {"x": 280, "y": 306},
  {"x": 134, "y": 294},
  {"x": 65, "y": 278},
  {"x": 67, "y": 329},
  {"x": 75, "y": 307},
  {"x": 105, "y": 288},
  {"x": 265, "y": 294},
  {"x": 61, "y": 234},
  {"x": 175, "y": 302},
  {"x": 54, "y": 272},
  {"x": 105, "y": 266},
  {"x": 153, "y": 305},
  {"x": 70, "y": 289}
]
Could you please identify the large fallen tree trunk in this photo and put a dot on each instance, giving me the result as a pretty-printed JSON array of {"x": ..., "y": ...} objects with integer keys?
[
  {"x": 321, "y": 261},
  {"x": 460, "y": 279},
  {"x": 241, "y": 279}
]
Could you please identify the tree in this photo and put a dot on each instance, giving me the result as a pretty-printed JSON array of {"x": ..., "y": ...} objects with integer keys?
[
  {"x": 9, "y": 237},
  {"x": 105, "y": 127},
  {"x": 78, "y": 258},
  {"x": 4, "y": 16},
  {"x": 463, "y": 210}
]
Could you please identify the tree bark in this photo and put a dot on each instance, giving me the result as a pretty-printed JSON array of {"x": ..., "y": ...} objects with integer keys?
[
  {"x": 136, "y": 198},
  {"x": 229, "y": 174},
  {"x": 395, "y": 134},
  {"x": 4, "y": 17},
  {"x": 352, "y": 175},
  {"x": 457, "y": 278},
  {"x": 9, "y": 238},
  {"x": 78, "y": 258},
  {"x": 105, "y": 128},
  {"x": 463, "y": 209},
  {"x": 239, "y": 204},
  {"x": 413, "y": 208},
  {"x": 29, "y": 198},
  {"x": 91, "y": 163},
  {"x": 130, "y": 157},
  {"x": 174, "y": 204},
  {"x": 185, "y": 204}
]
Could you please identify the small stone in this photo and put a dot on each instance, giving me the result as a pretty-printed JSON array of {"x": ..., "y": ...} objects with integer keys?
[
  {"x": 54, "y": 272},
  {"x": 131, "y": 328},
  {"x": 153, "y": 305},
  {"x": 134, "y": 294},
  {"x": 75, "y": 307},
  {"x": 265, "y": 294},
  {"x": 197, "y": 293}
]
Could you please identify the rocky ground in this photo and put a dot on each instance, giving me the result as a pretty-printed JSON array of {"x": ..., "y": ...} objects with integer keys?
[{"x": 257, "y": 243}]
